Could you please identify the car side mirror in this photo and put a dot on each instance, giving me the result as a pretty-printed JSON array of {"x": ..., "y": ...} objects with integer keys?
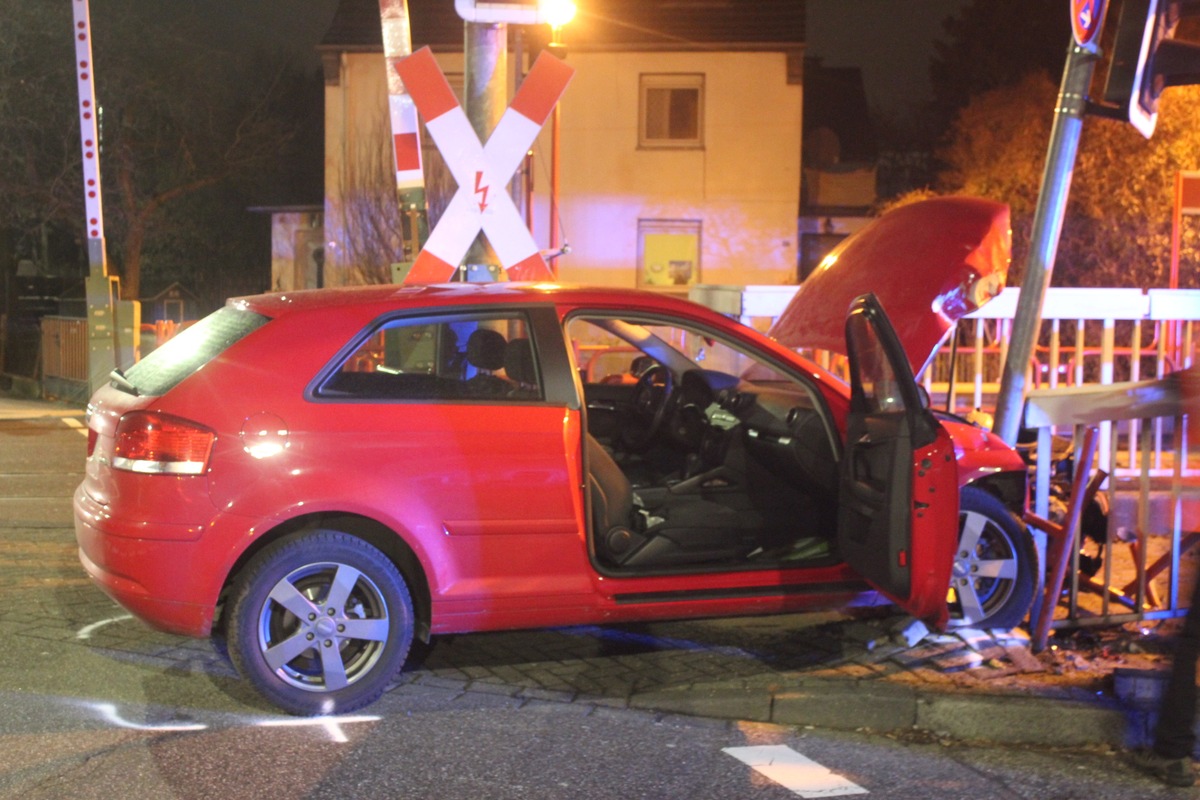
[{"x": 923, "y": 394}]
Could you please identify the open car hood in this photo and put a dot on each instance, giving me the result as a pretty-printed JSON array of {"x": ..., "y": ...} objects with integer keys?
[{"x": 929, "y": 263}]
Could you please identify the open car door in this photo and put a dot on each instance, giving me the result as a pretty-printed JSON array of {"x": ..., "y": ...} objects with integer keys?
[{"x": 898, "y": 500}]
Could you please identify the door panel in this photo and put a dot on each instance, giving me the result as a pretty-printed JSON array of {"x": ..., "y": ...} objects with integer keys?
[
  {"x": 891, "y": 442},
  {"x": 609, "y": 408}
]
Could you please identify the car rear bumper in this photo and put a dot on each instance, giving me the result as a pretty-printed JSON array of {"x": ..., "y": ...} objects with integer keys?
[{"x": 154, "y": 579}]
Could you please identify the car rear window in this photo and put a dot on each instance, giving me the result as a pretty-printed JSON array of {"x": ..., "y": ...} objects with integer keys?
[{"x": 191, "y": 349}]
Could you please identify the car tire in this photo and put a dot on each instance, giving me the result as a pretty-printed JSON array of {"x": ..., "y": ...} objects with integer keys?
[
  {"x": 320, "y": 623},
  {"x": 995, "y": 566}
]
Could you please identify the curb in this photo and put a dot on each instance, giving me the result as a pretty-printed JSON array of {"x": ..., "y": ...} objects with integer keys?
[
  {"x": 18, "y": 408},
  {"x": 884, "y": 708}
]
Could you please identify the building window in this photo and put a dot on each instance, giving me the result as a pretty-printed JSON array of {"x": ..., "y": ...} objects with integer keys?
[
  {"x": 668, "y": 253},
  {"x": 672, "y": 111}
]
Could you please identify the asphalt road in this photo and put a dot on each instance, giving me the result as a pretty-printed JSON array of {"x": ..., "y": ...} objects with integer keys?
[{"x": 95, "y": 705}]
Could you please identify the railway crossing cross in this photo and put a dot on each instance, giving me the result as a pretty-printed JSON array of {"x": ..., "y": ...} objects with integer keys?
[{"x": 481, "y": 170}]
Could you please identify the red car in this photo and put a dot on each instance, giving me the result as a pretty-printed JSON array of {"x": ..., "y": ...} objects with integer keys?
[{"x": 324, "y": 475}]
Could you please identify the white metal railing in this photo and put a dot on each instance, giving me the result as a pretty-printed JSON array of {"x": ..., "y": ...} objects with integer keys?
[
  {"x": 1142, "y": 548},
  {"x": 1105, "y": 358},
  {"x": 1089, "y": 337}
]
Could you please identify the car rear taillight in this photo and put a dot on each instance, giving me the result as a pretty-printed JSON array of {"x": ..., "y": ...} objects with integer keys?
[{"x": 155, "y": 443}]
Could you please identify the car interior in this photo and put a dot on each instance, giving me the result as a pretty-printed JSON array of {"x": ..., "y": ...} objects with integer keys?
[
  {"x": 729, "y": 465},
  {"x": 460, "y": 359}
]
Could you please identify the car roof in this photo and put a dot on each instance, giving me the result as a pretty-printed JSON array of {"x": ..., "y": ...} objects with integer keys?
[{"x": 391, "y": 296}]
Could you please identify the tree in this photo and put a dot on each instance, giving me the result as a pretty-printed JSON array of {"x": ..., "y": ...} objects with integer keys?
[
  {"x": 190, "y": 136},
  {"x": 40, "y": 187},
  {"x": 179, "y": 119},
  {"x": 985, "y": 46},
  {"x": 369, "y": 211},
  {"x": 990, "y": 45},
  {"x": 1118, "y": 223}
]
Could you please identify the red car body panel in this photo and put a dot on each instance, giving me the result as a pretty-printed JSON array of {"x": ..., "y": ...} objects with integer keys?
[
  {"x": 934, "y": 530},
  {"x": 980, "y": 453},
  {"x": 488, "y": 498},
  {"x": 929, "y": 263}
]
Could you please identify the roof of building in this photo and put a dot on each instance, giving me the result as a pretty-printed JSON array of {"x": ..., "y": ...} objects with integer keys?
[{"x": 600, "y": 24}]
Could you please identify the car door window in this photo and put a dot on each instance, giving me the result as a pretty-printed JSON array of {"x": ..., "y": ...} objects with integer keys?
[
  {"x": 878, "y": 389},
  {"x": 616, "y": 349},
  {"x": 452, "y": 358}
]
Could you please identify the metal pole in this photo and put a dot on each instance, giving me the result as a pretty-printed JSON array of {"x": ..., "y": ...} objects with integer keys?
[
  {"x": 519, "y": 184},
  {"x": 555, "y": 126},
  {"x": 554, "y": 183},
  {"x": 486, "y": 98},
  {"x": 1176, "y": 228},
  {"x": 1047, "y": 226}
]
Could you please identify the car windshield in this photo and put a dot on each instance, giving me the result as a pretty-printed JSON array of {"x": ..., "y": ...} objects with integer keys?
[
  {"x": 188, "y": 351},
  {"x": 609, "y": 347}
]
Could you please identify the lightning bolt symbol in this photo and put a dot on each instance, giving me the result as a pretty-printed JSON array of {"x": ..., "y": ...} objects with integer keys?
[{"x": 482, "y": 191}]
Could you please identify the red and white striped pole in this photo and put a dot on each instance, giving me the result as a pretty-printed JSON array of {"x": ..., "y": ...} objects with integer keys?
[
  {"x": 101, "y": 289},
  {"x": 406, "y": 133},
  {"x": 89, "y": 130}
]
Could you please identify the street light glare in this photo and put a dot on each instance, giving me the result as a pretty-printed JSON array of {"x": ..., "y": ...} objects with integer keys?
[{"x": 558, "y": 12}]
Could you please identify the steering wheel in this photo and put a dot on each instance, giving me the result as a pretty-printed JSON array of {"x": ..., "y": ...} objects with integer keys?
[{"x": 651, "y": 399}]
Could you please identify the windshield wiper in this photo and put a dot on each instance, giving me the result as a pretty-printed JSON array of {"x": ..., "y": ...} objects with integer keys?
[{"x": 117, "y": 376}]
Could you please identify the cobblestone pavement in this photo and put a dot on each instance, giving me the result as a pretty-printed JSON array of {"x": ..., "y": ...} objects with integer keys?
[{"x": 870, "y": 670}]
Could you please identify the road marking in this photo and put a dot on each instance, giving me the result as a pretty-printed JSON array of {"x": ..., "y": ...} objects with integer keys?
[
  {"x": 109, "y": 712},
  {"x": 794, "y": 772},
  {"x": 87, "y": 630},
  {"x": 71, "y": 422},
  {"x": 332, "y": 725}
]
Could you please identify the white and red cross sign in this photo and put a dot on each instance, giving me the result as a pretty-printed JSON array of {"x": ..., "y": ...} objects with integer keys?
[{"x": 481, "y": 170}]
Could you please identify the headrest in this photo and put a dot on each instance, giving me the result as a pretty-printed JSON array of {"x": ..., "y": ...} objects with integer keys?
[
  {"x": 518, "y": 362},
  {"x": 485, "y": 349}
]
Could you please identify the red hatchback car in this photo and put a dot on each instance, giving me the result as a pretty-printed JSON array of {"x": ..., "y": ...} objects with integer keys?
[{"x": 324, "y": 475}]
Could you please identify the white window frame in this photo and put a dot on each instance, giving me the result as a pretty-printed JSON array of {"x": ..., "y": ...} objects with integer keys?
[{"x": 654, "y": 81}]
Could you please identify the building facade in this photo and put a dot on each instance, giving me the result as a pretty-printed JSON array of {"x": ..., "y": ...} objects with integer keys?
[{"x": 680, "y": 140}]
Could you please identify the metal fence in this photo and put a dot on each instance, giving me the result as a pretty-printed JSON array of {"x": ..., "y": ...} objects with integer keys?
[
  {"x": 1102, "y": 359},
  {"x": 1137, "y": 560},
  {"x": 65, "y": 348},
  {"x": 1089, "y": 337}
]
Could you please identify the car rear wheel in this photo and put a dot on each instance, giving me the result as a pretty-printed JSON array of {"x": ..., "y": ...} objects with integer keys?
[
  {"x": 995, "y": 566},
  {"x": 320, "y": 623}
]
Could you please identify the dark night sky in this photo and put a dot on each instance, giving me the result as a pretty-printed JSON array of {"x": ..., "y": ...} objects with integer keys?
[
  {"x": 890, "y": 39},
  {"x": 292, "y": 25}
]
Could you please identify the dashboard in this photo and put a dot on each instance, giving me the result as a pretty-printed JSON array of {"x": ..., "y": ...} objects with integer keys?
[{"x": 781, "y": 424}]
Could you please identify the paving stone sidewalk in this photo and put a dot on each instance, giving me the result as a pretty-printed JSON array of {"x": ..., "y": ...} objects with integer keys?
[
  {"x": 830, "y": 671},
  {"x": 871, "y": 670}
]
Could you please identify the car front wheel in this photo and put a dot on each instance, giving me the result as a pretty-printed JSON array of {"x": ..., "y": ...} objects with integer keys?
[
  {"x": 995, "y": 566},
  {"x": 320, "y": 623}
]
